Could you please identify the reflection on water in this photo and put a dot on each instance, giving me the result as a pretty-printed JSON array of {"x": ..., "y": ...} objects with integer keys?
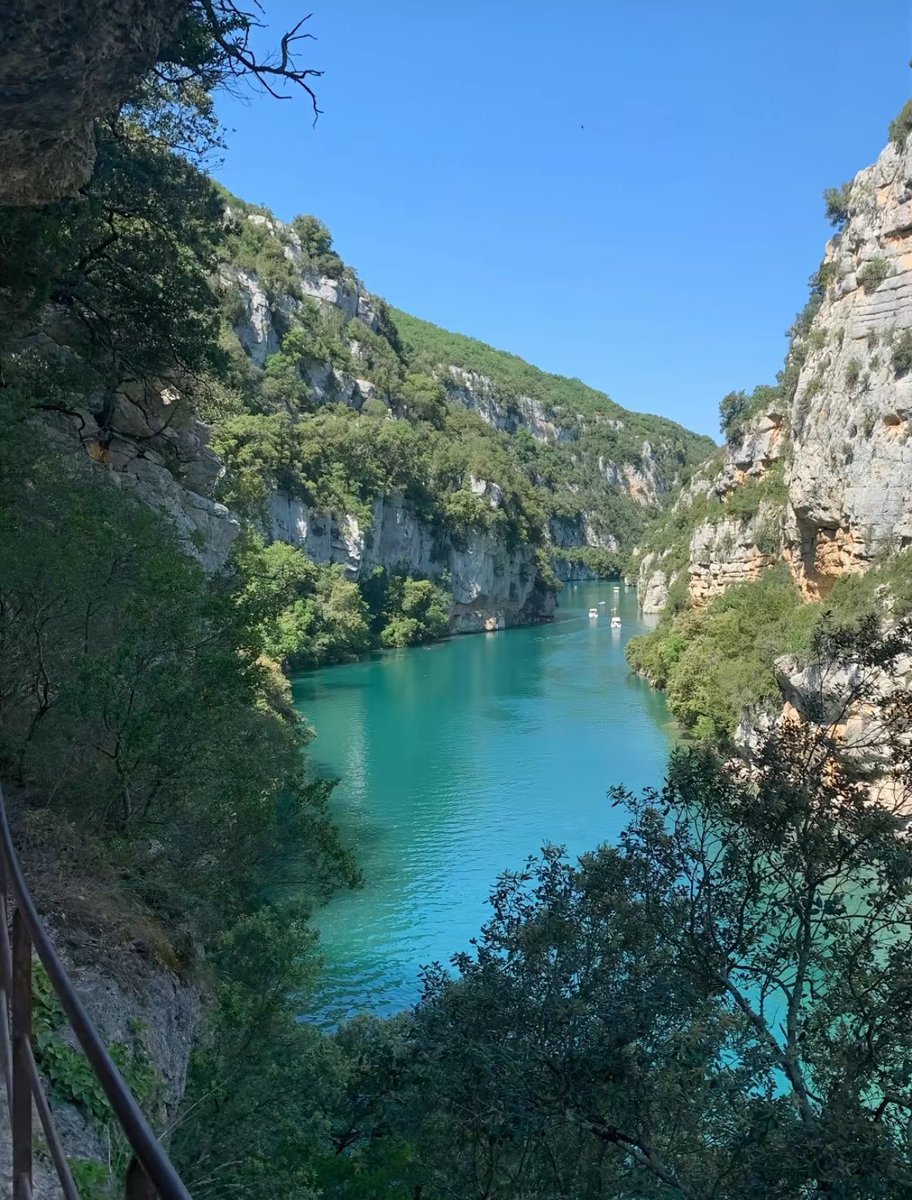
[{"x": 459, "y": 760}]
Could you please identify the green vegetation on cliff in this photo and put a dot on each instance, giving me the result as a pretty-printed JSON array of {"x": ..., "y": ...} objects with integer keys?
[
  {"x": 716, "y": 661},
  {"x": 553, "y": 448},
  {"x": 705, "y": 1011},
  {"x": 581, "y": 440}
]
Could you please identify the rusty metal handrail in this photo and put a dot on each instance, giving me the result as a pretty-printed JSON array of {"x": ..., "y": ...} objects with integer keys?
[{"x": 23, "y": 1082}]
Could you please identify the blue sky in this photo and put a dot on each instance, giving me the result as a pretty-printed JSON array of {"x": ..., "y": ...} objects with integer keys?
[{"x": 627, "y": 190}]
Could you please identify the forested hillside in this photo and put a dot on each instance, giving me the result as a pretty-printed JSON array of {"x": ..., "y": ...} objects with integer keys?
[
  {"x": 417, "y": 449},
  {"x": 220, "y": 456}
]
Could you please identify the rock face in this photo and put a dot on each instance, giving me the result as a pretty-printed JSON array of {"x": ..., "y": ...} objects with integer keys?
[
  {"x": 134, "y": 1004},
  {"x": 850, "y": 467},
  {"x": 151, "y": 447},
  {"x": 726, "y": 553},
  {"x": 752, "y": 451},
  {"x": 652, "y": 585},
  {"x": 727, "y": 542},
  {"x": 61, "y": 66},
  {"x": 843, "y": 437},
  {"x": 492, "y": 586},
  {"x": 477, "y": 392}
]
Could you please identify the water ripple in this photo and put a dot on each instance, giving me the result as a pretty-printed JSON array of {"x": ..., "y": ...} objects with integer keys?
[{"x": 457, "y": 761}]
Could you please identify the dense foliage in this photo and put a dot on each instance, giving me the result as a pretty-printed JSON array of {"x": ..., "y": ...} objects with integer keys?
[
  {"x": 582, "y": 440},
  {"x": 134, "y": 701},
  {"x": 716, "y": 661},
  {"x": 715, "y": 1008}
]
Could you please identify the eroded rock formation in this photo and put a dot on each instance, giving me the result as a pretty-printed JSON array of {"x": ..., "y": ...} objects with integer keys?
[{"x": 61, "y": 66}]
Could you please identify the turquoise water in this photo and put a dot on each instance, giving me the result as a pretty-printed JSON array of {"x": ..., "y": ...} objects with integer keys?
[{"x": 456, "y": 762}]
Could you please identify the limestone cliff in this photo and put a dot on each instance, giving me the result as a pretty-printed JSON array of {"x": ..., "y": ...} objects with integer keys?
[
  {"x": 492, "y": 585},
  {"x": 152, "y": 446},
  {"x": 850, "y": 463},
  {"x": 725, "y": 526},
  {"x": 815, "y": 478},
  {"x": 837, "y": 424},
  {"x": 584, "y": 452}
]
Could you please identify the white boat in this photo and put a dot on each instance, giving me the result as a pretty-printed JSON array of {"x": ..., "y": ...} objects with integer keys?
[
  {"x": 593, "y": 613},
  {"x": 615, "y": 622},
  {"x": 601, "y": 603}
]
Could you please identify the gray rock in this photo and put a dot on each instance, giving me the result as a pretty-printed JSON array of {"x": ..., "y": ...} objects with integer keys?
[
  {"x": 850, "y": 467},
  {"x": 61, "y": 66},
  {"x": 492, "y": 585}
]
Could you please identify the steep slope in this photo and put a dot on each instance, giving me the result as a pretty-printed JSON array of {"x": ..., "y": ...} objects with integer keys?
[
  {"x": 837, "y": 421},
  {"x": 494, "y": 474},
  {"x": 599, "y": 469},
  {"x": 724, "y": 526},
  {"x": 850, "y": 462},
  {"x": 813, "y": 486}
]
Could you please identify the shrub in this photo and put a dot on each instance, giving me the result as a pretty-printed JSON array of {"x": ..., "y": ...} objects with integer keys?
[
  {"x": 853, "y": 372},
  {"x": 717, "y": 661},
  {"x": 404, "y": 611},
  {"x": 872, "y": 273},
  {"x": 744, "y": 502},
  {"x": 814, "y": 385},
  {"x": 817, "y": 338},
  {"x": 901, "y": 125},
  {"x": 737, "y": 408},
  {"x": 768, "y": 538},
  {"x": 901, "y": 357},
  {"x": 836, "y": 204},
  {"x": 316, "y": 243},
  {"x": 733, "y": 408}
]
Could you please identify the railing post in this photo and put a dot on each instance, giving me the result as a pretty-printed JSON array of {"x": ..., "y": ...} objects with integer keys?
[
  {"x": 22, "y": 1034},
  {"x": 6, "y": 986}
]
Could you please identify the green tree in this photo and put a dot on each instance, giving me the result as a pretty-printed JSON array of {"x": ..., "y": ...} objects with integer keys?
[
  {"x": 715, "y": 1008},
  {"x": 901, "y": 125},
  {"x": 126, "y": 264},
  {"x": 836, "y": 204},
  {"x": 316, "y": 243},
  {"x": 309, "y": 615},
  {"x": 133, "y": 700}
]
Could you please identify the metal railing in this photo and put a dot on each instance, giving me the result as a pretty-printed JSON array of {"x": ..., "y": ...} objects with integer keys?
[{"x": 151, "y": 1172}]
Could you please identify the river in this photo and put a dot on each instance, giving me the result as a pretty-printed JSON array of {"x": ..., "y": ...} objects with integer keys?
[{"x": 457, "y": 761}]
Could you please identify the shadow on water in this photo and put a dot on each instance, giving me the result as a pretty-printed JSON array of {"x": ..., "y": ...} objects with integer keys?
[{"x": 458, "y": 761}]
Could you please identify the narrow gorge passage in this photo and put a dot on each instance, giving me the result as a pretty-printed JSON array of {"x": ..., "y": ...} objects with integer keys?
[{"x": 459, "y": 760}]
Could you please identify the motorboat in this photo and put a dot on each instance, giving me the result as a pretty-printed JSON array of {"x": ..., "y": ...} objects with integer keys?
[
  {"x": 615, "y": 622},
  {"x": 593, "y": 614}
]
